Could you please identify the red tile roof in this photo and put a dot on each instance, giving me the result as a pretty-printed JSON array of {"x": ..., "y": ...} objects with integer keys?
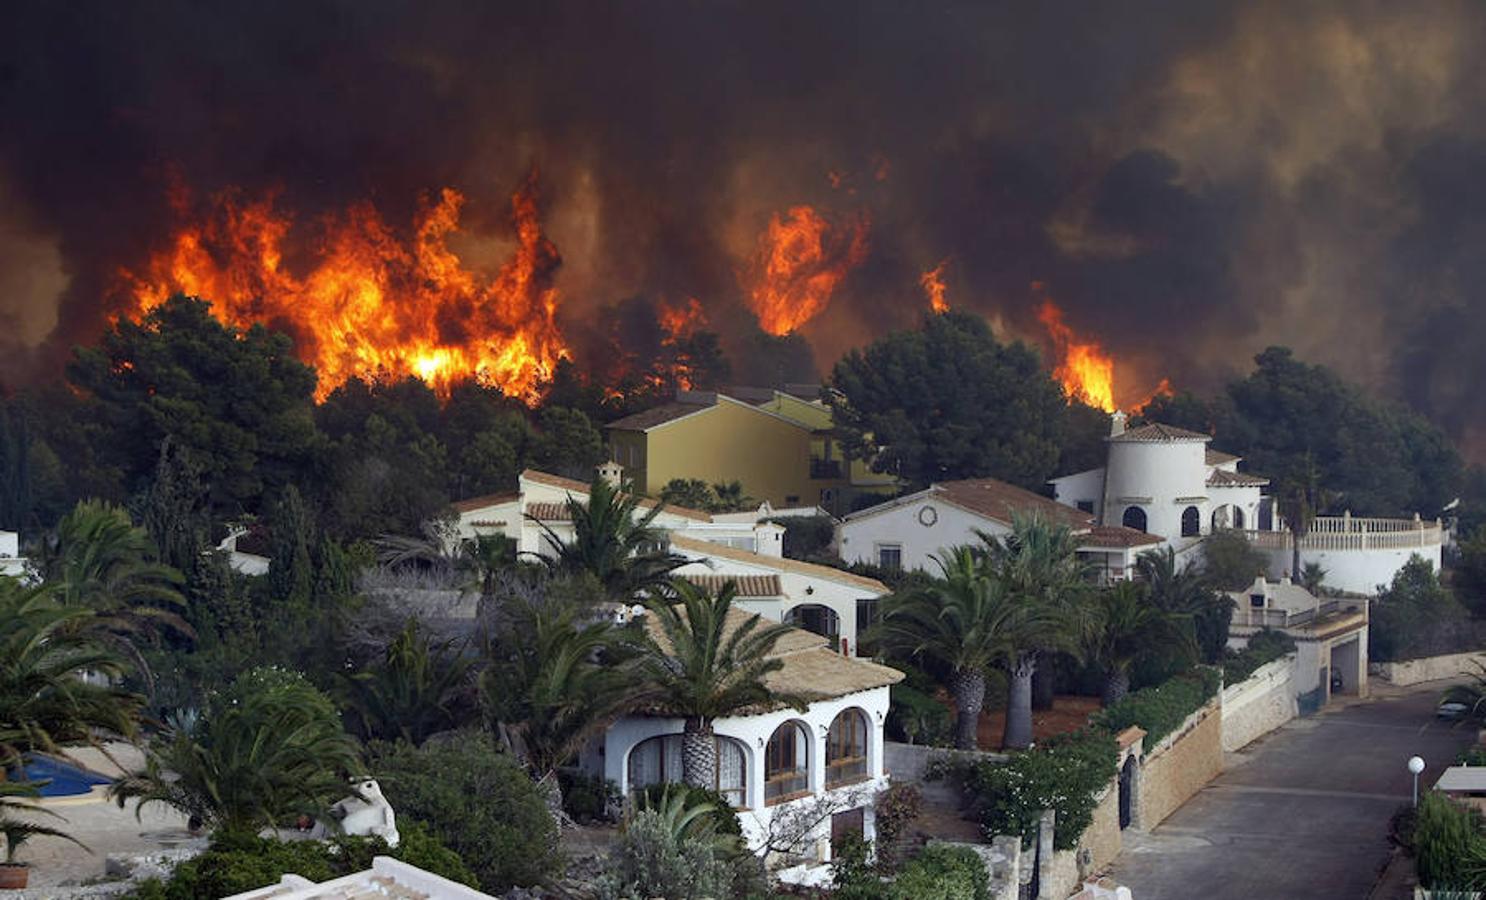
[
  {"x": 1158, "y": 433},
  {"x": 998, "y": 500},
  {"x": 581, "y": 488},
  {"x": 1220, "y": 478},
  {"x": 1116, "y": 536},
  {"x": 650, "y": 418},
  {"x": 475, "y": 503}
]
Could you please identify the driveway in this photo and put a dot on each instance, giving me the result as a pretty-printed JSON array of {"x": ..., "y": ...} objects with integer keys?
[{"x": 1302, "y": 812}]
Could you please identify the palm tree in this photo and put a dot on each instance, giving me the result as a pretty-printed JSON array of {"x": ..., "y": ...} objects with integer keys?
[
  {"x": 1038, "y": 566},
  {"x": 611, "y": 540},
  {"x": 1126, "y": 625},
  {"x": 47, "y": 700},
  {"x": 702, "y": 666},
  {"x": 99, "y": 560},
  {"x": 554, "y": 680},
  {"x": 1300, "y": 498},
  {"x": 965, "y": 622},
  {"x": 251, "y": 762},
  {"x": 415, "y": 692},
  {"x": 1186, "y": 591}
]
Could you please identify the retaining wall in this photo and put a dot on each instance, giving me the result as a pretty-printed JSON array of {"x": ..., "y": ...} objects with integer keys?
[
  {"x": 1259, "y": 704},
  {"x": 1430, "y": 668},
  {"x": 1181, "y": 765}
]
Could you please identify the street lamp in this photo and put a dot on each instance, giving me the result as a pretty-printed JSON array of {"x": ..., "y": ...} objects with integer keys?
[{"x": 1416, "y": 765}]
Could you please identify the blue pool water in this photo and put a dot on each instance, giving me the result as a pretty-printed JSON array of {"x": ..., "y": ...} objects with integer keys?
[{"x": 61, "y": 779}]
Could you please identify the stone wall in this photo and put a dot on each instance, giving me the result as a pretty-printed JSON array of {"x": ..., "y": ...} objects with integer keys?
[
  {"x": 1180, "y": 765},
  {"x": 1100, "y": 844},
  {"x": 1429, "y": 668},
  {"x": 1259, "y": 704}
]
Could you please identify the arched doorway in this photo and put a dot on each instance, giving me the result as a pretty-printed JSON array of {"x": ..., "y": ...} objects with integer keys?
[
  {"x": 1134, "y": 518},
  {"x": 1127, "y": 791},
  {"x": 814, "y": 617}
]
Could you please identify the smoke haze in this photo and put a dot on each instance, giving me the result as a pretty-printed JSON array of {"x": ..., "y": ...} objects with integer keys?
[{"x": 1188, "y": 184}]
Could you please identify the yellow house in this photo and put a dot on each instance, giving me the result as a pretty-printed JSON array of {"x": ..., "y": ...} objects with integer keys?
[{"x": 781, "y": 449}]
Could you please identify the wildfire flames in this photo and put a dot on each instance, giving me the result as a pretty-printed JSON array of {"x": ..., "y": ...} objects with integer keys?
[
  {"x": 933, "y": 285},
  {"x": 1087, "y": 373},
  {"x": 800, "y": 261},
  {"x": 371, "y": 304}
]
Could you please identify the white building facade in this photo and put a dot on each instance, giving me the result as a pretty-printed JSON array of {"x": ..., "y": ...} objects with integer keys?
[
  {"x": 11, "y": 561},
  {"x": 775, "y": 765}
]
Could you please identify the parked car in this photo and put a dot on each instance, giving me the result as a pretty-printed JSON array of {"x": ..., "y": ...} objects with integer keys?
[{"x": 1451, "y": 709}]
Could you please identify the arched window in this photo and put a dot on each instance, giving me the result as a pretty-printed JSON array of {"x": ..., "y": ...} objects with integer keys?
[
  {"x": 1134, "y": 518},
  {"x": 813, "y": 617},
  {"x": 1238, "y": 517},
  {"x": 846, "y": 748},
  {"x": 657, "y": 760},
  {"x": 786, "y": 763},
  {"x": 1191, "y": 522}
]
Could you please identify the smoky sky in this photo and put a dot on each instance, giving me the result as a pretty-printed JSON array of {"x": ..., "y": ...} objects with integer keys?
[{"x": 1191, "y": 182}]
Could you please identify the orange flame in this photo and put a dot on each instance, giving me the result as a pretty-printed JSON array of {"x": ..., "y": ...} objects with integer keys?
[
  {"x": 799, "y": 262},
  {"x": 1086, "y": 372},
  {"x": 680, "y": 322},
  {"x": 933, "y": 285},
  {"x": 371, "y": 305}
]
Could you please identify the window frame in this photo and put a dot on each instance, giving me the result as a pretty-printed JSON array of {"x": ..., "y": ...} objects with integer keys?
[
  {"x": 780, "y": 784},
  {"x": 844, "y": 770}
]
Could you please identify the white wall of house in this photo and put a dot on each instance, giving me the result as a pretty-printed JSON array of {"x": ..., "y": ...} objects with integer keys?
[
  {"x": 1082, "y": 487},
  {"x": 753, "y": 733},
  {"x": 1161, "y": 478},
  {"x": 901, "y": 524},
  {"x": 1225, "y": 499},
  {"x": 1354, "y": 571}
]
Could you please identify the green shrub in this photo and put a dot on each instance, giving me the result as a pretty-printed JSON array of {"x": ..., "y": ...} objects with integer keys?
[
  {"x": 1265, "y": 646},
  {"x": 942, "y": 873},
  {"x": 895, "y": 809},
  {"x": 1062, "y": 774},
  {"x": 1472, "y": 756},
  {"x": 724, "y": 819},
  {"x": 237, "y": 862},
  {"x": 1446, "y": 839},
  {"x": 917, "y": 717},
  {"x": 1160, "y": 709},
  {"x": 478, "y": 802},
  {"x": 587, "y": 798},
  {"x": 673, "y": 850}
]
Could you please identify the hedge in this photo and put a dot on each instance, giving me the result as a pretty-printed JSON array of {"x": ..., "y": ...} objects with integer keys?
[
  {"x": 1265, "y": 646},
  {"x": 1160, "y": 709}
]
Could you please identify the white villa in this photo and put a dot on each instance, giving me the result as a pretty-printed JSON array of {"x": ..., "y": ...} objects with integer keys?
[
  {"x": 1167, "y": 481},
  {"x": 780, "y": 768},
  {"x": 11, "y": 561},
  {"x": 1330, "y": 636},
  {"x": 907, "y": 532},
  {"x": 735, "y": 547}
]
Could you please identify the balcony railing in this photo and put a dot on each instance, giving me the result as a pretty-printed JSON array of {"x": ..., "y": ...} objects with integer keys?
[
  {"x": 1348, "y": 533},
  {"x": 1281, "y": 618}
]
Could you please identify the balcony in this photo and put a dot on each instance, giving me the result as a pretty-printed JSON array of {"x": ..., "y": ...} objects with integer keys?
[{"x": 1348, "y": 533}]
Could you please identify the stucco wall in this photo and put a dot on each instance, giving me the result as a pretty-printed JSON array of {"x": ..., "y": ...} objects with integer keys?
[
  {"x": 1102, "y": 839},
  {"x": 1355, "y": 571},
  {"x": 1430, "y": 668},
  {"x": 1180, "y": 766},
  {"x": 1259, "y": 704},
  {"x": 901, "y": 523}
]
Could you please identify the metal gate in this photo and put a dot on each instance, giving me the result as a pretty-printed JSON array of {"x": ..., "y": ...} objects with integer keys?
[{"x": 1127, "y": 791}]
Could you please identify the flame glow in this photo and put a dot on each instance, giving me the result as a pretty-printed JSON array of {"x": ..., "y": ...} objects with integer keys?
[
  {"x": 933, "y": 284},
  {"x": 1086, "y": 371},
  {"x": 800, "y": 260},
  {"x": 371, "y": 305}
]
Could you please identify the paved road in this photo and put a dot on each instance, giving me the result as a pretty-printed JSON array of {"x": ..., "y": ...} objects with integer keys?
[{"x": 1301, "y": 813}]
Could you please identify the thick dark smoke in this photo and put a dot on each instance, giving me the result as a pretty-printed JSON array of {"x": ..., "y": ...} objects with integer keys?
[{"x": 1189, "y": 181}]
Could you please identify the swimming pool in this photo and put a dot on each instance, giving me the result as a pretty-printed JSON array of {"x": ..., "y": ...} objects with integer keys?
[{"x": 62, "y": 780}]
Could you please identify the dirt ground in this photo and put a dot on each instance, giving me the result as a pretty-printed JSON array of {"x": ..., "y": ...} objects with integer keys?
[{"x": 1068, "y": 714}]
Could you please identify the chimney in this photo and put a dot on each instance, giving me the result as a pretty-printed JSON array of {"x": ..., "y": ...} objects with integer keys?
[
  {"x": 1117, "y": 423},
  {"x": 612, "y": 473}
]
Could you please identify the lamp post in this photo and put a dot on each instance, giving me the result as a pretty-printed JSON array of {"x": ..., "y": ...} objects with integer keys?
[{"x": 1416, "y": 765}]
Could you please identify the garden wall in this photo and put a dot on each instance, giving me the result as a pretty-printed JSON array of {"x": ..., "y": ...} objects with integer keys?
[
  {"x": 1259, "y": 704},
  {"x": 1429, "y": 668},
  {"x": 1178, "y": 767}
]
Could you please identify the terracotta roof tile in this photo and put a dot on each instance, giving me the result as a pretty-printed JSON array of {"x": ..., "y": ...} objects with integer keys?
[
  {"x": 999, "y": 500},
  {"x": 548, "y": 512},
  {"x": 746, "y": 585},
  {"x": 1220, "y": 478},
  {"x": 1116, "y": 536},
  {"x": 1158, "y": 433},
  {"x": 1218, "y": 457}
]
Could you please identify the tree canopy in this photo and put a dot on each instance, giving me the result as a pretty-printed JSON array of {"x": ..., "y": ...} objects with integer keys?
[{"x": 948, "y": 400}]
